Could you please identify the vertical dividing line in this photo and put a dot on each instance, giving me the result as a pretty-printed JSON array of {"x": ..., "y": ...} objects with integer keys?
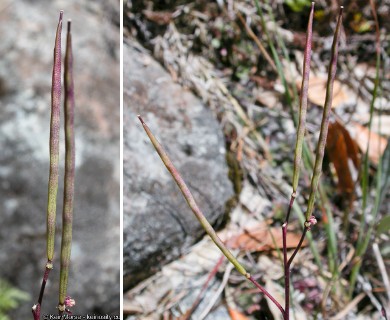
[{"x": 67, "y": 214}]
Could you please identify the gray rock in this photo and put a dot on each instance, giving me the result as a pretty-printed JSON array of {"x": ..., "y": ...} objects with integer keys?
[
  {"x": 158, "y": 225},
  {"x": 27, "y": 31}
]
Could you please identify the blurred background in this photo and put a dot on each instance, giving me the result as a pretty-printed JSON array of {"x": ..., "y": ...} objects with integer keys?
[{"x": 27, "y": 30}]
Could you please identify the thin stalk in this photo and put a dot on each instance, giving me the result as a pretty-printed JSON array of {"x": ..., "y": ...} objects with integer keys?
[
  {"x": 67, "y": 214},
  {"x": 256, "y": 40},
  {"x": 199, "y": 215},
  {"x": 298, "y": 246},
  {"x": 286, "y": 274},
  {"x": 54, "y": 156},
  {"x": 278, "y": 305}
]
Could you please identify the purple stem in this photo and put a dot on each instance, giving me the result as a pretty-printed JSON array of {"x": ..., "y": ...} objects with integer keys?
[
  {"x": 286, "y": 274},
  {"x": 36, "y": 309},
  {"x": 292, "y": 199},
  {"x": 298, "y": 246},
  {"x": 263, "y": 290}
]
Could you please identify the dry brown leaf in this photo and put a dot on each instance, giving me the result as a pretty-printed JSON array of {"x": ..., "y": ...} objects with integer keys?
[
  {"x": 237, "y": 315},
  {"x": 317, "y": 91},
  {"x": 377, "y": 143},
  {"x": 262, "y": 238},
  {"x": 159, "y": 17},
  {"x": 340, "y": 147}
]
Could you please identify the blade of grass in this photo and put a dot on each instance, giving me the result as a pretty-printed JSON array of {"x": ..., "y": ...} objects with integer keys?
[
  {"x": 67, "y": 214},
  {"x": 256, "y": 40}
]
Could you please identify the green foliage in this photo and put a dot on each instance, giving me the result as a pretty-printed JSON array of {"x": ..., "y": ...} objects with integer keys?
[
  {"x": 298, "y": 5},
  {"x": 10, "y": 298}
]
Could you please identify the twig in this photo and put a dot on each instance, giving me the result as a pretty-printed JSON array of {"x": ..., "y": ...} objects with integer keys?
[
  {"x": 343, "y": 313},
  {"x": 367, "y": 288},
  {"x": 202, "y": 291},
  {"x": 256, "y": 40},
  {"x": 214, "y": 299}
]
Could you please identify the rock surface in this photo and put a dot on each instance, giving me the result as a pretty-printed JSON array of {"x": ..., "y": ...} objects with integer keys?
[
  {"x": 27, "y": 31},
  {"x": 158, "y": 225}
]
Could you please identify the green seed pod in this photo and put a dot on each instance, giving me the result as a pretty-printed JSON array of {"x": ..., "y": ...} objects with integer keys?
[
  {"x": 67, "y": 214},
  {"x": 325, "y": 118},
  {"x": 191, "y": 201},
  {"x": 54, "y": 143}
]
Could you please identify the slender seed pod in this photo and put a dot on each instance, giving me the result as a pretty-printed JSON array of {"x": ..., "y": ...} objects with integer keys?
[
  {"x": 54, "y": 157},
  {"x": 325, "y": 118},
  {"x": 54, "y": 143},
  {"x": 303, "y": 101},
  {"x": 191, "y": 201},
  {"x": 67, "y": 214},
  {"x": 199, "y": 215}
]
